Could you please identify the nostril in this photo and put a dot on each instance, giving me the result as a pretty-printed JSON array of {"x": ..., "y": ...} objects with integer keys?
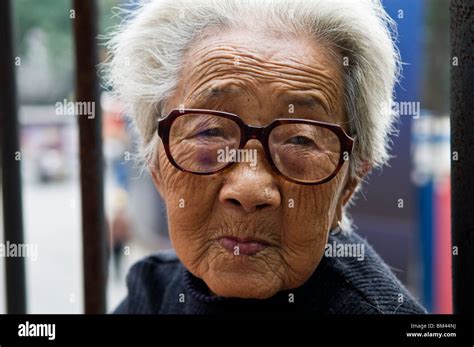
[
  {"x": 262, "y": 206},
  {"x": 234, "y": 202},
  {"x": 249, "y": 200}
]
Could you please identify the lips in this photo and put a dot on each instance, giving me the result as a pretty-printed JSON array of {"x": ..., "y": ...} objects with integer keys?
[{"x": 238, "y": 246}]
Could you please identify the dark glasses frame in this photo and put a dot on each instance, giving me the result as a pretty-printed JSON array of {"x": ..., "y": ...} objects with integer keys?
[{"x": 251, "y": 132}]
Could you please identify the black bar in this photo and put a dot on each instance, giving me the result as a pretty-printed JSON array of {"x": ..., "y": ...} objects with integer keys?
[
  {"x": 462, "y": 144},
  {"x": 365, "y": 330},
  {"x": 90, "y": 142},
  {"x": 11, "y": 173}
]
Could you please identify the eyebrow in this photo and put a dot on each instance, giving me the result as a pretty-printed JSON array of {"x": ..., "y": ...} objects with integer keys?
[
  {"x": 214, "y": 92},
  {"x": 296, "y": 98},
  {"x": 303, "y": 100}
]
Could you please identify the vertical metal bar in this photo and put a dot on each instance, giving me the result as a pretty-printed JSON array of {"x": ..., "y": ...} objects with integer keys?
[
  {"x": 90, "y": 142},
  {"x": 462, "y": 145},
  {"x": 11, "y": 176}
]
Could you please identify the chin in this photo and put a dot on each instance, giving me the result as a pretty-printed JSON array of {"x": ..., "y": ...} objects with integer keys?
[
  {"x": 236, "y": 286},
  {"x": 243, "y": 276},
  {"x": 242, "y": 282}
]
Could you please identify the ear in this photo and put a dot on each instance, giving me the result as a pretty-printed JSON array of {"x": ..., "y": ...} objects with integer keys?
[
  {"x": 353, "y": 182},
  {"x": 349, "y": 189}
]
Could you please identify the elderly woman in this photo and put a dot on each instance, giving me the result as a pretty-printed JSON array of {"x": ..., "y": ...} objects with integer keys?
[{"x": 258, "y": 121}]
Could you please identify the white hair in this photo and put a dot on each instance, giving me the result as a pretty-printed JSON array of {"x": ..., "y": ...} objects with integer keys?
[{"x": 147, "y": 53}]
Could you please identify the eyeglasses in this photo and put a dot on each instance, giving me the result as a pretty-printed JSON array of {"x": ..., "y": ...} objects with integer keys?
[{"x": 303, "y": 151}]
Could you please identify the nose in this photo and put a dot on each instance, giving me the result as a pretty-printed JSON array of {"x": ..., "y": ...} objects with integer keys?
[{"x": 250, "y": 189}]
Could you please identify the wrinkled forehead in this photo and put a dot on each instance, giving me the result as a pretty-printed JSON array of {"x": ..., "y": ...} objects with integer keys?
[{"x": 294, "y": 69}]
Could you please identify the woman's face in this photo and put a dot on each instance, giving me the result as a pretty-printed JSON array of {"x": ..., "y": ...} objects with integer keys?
[{"x": 280, "y": 227}]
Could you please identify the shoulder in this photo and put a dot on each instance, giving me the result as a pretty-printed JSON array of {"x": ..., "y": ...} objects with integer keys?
[
  {"x": 367, "y": 283},
  {"x": 149, "y": 280}
]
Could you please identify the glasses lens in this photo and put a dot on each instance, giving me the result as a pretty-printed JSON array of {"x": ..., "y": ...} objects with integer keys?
[
  {"x": 304, "y": 152},
  {"x": 198, "y": 141}
]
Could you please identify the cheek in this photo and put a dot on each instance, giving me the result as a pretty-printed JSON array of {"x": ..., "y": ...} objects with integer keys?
[
  {"x": 309, "y": 212},
  {"x": 189, "y": 201}
]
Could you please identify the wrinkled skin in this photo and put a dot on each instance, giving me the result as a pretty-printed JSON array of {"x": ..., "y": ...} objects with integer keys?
[{"x": 256, "y": 77}]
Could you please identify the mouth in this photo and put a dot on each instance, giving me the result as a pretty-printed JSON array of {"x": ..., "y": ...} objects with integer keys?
[{"x": 242, "y": 246}]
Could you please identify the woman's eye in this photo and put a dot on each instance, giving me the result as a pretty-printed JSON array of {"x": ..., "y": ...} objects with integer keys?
[
  {"x": 300, "y": 140},
  {"x": 213, "y": 132}
]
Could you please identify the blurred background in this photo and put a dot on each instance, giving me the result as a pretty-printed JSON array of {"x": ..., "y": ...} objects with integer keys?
[{"x": 403, "y": 211}]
